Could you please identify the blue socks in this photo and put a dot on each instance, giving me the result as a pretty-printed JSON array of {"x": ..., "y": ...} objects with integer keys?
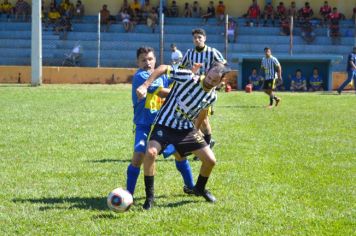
[
  {"x": 132, "y": 175},
  {"x": 169, "y": 150},
  {"x": 186, "y": 171}
]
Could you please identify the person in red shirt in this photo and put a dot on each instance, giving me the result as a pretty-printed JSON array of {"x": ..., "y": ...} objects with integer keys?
[
  {"x": 324, "y": 12},
  {"x": 253, "y": 13},
  {"x": 305, "y": 13},
  {"x": 281, "y": 10},
  {"x": 334, "y": 19},
  {"x": 268, "y": 13}
]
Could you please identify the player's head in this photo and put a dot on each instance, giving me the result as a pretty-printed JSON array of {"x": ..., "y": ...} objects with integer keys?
[
  {"x": 315, "y": 71},
  {"x": 298, "y": 73},
  {"x": 199, "y": 37},
  {"x": 215, "y": 75},
  {"x": 146, "y": 59},
  {"x": 173, "y": 47},
  {"x": 254, "y": 71},
  {"x": 268, "y": 52}
]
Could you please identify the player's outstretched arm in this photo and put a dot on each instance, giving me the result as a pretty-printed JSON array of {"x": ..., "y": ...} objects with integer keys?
[{"x": 142, "y": 90}]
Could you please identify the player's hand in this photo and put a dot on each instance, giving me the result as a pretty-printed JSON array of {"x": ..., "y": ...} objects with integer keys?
[
  {"x": 141, "y": 92},
  {"x": 196, "y": 67}
]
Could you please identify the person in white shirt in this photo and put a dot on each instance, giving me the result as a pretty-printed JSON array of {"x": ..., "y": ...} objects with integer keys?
[{"x": 176, "y": 55}]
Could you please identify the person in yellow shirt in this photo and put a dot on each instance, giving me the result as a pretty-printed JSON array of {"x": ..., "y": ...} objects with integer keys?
[
  {"x": 6, "y": 8},
  {"x": 53, "y": 17}
]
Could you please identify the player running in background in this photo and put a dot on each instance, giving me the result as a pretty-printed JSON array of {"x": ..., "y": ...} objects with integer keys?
[
  {"x": 188, "y": 102},
  {"x": 145, "y": 110},
  {"x": 205, "y": 56},
  {"x": 272, "y": 70}
]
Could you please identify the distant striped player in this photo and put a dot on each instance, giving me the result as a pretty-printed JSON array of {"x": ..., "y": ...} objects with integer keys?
[
  {"x": 178, "y": 122},
  {"x": 272, "y": 73},
  {"x": 205, "y": 56}
]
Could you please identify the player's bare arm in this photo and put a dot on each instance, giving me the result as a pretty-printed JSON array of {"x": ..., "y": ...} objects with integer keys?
[
  {"x": 201, "y": 117},
  {"x": 142, "y": 90}
]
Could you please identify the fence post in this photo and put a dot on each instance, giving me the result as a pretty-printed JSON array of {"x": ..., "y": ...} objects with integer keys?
[
  {"x": 291, "y": 28},
  {"x": 99, "y": 39},
  {"x": 161, "y": 39},
  {"x": 36, "y": 44},
  {"x": 226, "y": 36}
]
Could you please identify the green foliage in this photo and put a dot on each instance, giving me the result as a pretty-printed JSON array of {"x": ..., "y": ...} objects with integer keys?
[{"x": 284, "y": 171}]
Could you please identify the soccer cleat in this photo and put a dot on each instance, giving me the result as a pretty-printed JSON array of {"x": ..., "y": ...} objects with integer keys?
[
  {"x": 278, "y": 100},
  {"x": 205, "y": 194},
  {"x": 148, "y": 204},
  {"x": 187, "y": 190}
]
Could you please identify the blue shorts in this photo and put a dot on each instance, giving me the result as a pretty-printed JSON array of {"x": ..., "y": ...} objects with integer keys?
[{"x": 141, "y": 134}]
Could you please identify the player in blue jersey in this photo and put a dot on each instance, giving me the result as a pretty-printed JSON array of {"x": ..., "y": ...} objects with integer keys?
[
  {"x": 145, "y": 111},
  {"x": 315, "y": 81}
]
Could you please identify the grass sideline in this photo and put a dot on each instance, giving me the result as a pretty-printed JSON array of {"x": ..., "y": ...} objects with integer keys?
[{"x": 288, "y": 170}]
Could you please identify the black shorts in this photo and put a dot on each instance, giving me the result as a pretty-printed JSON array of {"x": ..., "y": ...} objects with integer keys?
[
  {"x": 185, "y": 141},
  {"x": 269, "y": 84}
]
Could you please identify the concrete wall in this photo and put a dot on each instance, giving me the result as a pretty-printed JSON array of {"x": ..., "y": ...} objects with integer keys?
[
  {"x": 234, "y": 7},
  {"x": 68, "y": 75}
]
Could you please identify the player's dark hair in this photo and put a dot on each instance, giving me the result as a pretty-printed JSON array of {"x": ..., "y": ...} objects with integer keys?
[
  {"x": 266, "y": 48},
  {"x": 144, "y": 50},
  {"x": 198, "y": 31}
]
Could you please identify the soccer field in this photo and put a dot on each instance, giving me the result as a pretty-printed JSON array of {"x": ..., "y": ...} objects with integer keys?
[{"x": 284, "y": 171}]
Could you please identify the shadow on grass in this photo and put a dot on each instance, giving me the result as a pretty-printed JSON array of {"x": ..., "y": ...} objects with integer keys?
[
  {"x": 84, "y": 203},
  {"x": 128, "y": 160},
  {"x": 8, "y": 85},
  {"x": 89, "y": 203}
]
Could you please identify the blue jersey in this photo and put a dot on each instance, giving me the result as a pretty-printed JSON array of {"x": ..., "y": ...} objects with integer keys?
[
  {"x": 299, "y": 81},
  {"x": 145, "y": 110},
  {"x": 351, "y": 58},
  {"x": 256, "y": 81},
  {"x": 316, "y": 82}
]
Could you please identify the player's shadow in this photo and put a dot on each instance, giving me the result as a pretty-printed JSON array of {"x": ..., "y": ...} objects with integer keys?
[
  {"x": 178, "y": 204},
  {"x": 87, "y": 203},
  {"x": 127, "y": 161}
]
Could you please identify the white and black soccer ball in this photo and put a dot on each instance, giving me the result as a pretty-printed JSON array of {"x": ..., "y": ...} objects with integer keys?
[{"x": 119, "y": 200}]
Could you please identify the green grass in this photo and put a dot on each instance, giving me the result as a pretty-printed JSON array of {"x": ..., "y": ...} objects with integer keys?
[{"x": 285, "y": 171}]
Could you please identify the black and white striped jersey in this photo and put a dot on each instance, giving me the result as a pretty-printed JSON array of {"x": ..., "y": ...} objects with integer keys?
[
  {"x": 185, "y": 101},
  {"x": 269, "y": 66},
  {"x": 206, "y": 57}
]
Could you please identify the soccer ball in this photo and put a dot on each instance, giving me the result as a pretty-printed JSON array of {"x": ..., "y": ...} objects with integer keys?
[{"x": 119, "y": 200}]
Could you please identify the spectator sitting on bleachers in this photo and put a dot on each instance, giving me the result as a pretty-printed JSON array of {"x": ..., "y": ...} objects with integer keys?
[
  {"x": 196, "y": 9},
  {"x": 255, "y": 79},
  {"x": 292, "y": 11},
  {"x": 325, "y": 10},
  {"x": 6, "y": 8},
  {"x": 253, "y": 14},
  {"x": 146, "y": 9},
  {"x": 187, "y": 10},
  {"x": 52, "y": 17},
  {"x": 66, "y": 8},
  {"x": 220, "y": 12},
  {"x": 307, "y": 32},
  {"x": 285, "y": 25},
  {"x": 268, "y": 13},
  {"x": 152, "y": 19},
  {"x": 334, "y": 28},
  {"x": 315, "y": 81},
  {"x": 64, "y": 25},
  {"x": 126, "y": 20},
  {"x": 79, "y": 10},
  {"x": 105, "y": 17},
  {"x": 354, "y": 13},
  {"x": 125, "y": 5},
  {"x": 176, "y": 56},
  {"x": 305, "y": 14},
  {"x": 231, "y": 30},
  {"x": 210, "y": 12},
  {"x": 22, "y": 8},
  {"x": 298, "y": 82},
  {"x": 136, "y": 10},
  {"x": 281, "y": 11},
  {"x": 174, "y": 10}
]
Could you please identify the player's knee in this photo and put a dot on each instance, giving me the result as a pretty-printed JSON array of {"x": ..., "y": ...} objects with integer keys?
[
  {"x": 151, "y": 153},
  {"x": 210, "y": 161}
]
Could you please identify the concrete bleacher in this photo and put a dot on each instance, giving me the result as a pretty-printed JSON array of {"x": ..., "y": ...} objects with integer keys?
[{"x": 118, "y": 49}]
